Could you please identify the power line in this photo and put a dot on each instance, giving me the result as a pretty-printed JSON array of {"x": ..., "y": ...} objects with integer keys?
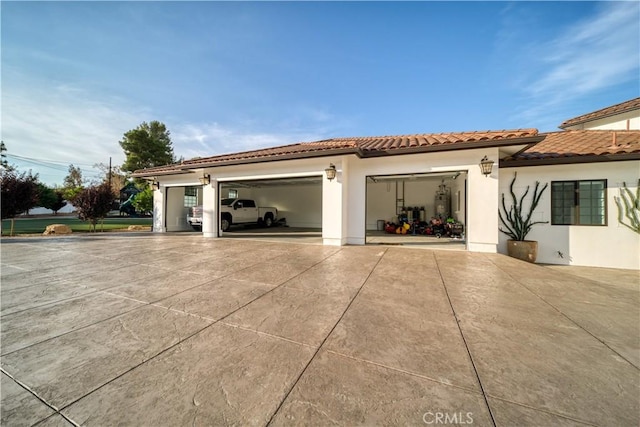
[{"x": 53, "y": 162}]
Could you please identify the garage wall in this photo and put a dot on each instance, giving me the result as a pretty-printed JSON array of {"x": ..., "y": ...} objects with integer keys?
[
  {"x": 301, "y": 205},
  {"x": 176, "y": 212},
  {"x": 381, "y": 203}
]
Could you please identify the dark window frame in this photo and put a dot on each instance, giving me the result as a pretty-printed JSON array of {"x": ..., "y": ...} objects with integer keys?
[{"x": 561, "y": 203}]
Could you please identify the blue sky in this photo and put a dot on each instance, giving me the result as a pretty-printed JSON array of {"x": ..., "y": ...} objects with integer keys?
[{"x": 233, "y": 76}]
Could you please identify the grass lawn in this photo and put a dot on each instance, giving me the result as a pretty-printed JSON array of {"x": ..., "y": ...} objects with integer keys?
[{"x": 38, "y": 225}]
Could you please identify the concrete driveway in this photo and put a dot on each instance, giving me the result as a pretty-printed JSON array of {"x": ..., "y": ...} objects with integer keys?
[{"x": 164, "y": 330}]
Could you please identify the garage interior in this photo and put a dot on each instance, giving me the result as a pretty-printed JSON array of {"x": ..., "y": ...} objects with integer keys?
[
  {"x": 425, "y": 209},
  {"x": 298, "y": 201}
]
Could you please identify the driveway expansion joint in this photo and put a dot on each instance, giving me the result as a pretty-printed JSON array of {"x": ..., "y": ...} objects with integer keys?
[
  {"x": 315, "y": 354},
  {"x": 464, "y": 340}
]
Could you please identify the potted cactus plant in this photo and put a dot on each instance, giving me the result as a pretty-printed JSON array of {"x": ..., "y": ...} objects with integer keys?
[{"x": 517, "y": 223}]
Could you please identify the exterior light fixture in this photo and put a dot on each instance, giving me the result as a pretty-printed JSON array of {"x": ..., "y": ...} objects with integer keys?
[
  {"x": 330, "y": 171},
  {"x": 205, "y": 179},
  {"x": 486, "y": 166},
  {"x": 155, "y": 185}
]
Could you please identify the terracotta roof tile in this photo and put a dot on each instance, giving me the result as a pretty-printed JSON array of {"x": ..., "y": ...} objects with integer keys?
[
  {"x": 299, "y": 148},
  {"x": 623, "y": 107},
  {"x": 363, "y": 146},
  {"x": 576, "y": 143},
  {"x": 398, "y": 142}
]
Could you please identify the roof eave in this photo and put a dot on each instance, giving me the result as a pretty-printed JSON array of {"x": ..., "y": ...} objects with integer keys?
[
  {"x": 187, "y": 168},
  {"x": 142, "y": 174},
  {"x": 579, "y": 121},
  {"x": 569, "y": 160},
  {"x": 529, "y": 140}
]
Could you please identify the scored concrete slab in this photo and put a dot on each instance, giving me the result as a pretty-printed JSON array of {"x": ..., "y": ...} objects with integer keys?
[
  {"x": 336, "y": 390},
  {"x": 609, "y": 311},
  {"x": 160, "y": 285},
  {"x": 618, "y": 276},
  {"x": 19, "y": 329},
  {"x": 15, "y": 300},
  {"x": 270, "y": 272},
  {"x": 510, "y": 414},
  {"x": 55, "y": 420},
  {"x": 216, "y": 299},
  {"x": 19, "y": 406},
  {"x": 68, "y": 367},
  {"x": 221, "y": 376},
  {"x": 430, "y": 344},
  {"x": 539, "y": 353},
  {"x": 561, "y": 367},
  {"x": 302, "y": 316}
]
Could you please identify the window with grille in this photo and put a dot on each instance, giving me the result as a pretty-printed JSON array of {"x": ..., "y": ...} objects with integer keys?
[
  {"x": 579, "y": 202},
  {"x": 190, "y": 197}
]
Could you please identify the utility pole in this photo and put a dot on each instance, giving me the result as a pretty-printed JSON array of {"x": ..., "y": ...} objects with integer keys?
[{"x": 109, "y": 172}]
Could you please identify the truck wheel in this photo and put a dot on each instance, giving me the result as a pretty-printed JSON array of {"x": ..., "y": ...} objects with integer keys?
[
  {"x": 197, "y": 227},
  {"x": 225, "y": 224},
  {"x": 268, "y": 221}
]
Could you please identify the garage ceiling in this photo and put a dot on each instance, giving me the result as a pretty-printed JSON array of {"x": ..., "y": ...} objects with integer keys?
[
  {"x": 416, "y": 176},
  {"x": 281, "y": 182}
]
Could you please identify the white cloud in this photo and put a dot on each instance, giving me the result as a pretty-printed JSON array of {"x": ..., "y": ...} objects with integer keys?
[
  {"x": 592, "y": 55},
  {"x": 207, "y": 139},
  {"x": 71, "y": 125},
  {"x": 64, "y": 124}
]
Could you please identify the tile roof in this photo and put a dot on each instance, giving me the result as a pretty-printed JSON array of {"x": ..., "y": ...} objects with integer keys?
[
  {"x": 361, "y": 146},
  {"x": 370, "y": 144},
  {"x": 623, "y": 107},
  {"x": 577, "y": 145}
]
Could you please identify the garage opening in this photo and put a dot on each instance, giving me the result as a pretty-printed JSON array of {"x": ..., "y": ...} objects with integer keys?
[
  {"x": 284, "y": 208},
  {"x": 179, "y": 204},
  {"x": 425, "y": 209}
]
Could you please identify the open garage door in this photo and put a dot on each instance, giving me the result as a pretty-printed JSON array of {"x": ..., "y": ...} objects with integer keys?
[
  {"x": 298, "y": 202},
  {"x": 417, "y": 209}
]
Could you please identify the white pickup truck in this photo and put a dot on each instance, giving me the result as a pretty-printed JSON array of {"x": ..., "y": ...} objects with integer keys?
[{"x": 235, "y": 211}]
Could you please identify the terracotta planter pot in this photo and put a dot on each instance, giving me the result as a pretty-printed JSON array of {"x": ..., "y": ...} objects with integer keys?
[{"x": 526, "y": 250}]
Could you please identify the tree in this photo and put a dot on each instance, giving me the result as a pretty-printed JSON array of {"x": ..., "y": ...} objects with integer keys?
[
  {"x": 94, "y": 203},
  {"x": 147, "y": 146},
  {"x": 4, "y": 163},
  {"x": 74, "y": 178},
  {"x": 46, "y": 196},
  {"x": 50, "y": 198},
  {"x": 73, "y": 183},
  {"x": 19, "y": 193},
  {"x": 118, "y": 177},
  {"x": 143, "y": 201}
]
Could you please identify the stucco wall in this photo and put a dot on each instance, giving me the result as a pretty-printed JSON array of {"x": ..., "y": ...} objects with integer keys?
[
  {"x": 612, "y": 245},
  {"x": 629, "y": 120}
]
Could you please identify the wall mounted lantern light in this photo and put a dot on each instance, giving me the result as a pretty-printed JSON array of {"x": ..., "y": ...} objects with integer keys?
[
  {"x": 155, "y": 184},
  {"x": 330, "y": 171},
  {"x": 486, "y": 166},
  {"x": 205, "y": 179}
]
